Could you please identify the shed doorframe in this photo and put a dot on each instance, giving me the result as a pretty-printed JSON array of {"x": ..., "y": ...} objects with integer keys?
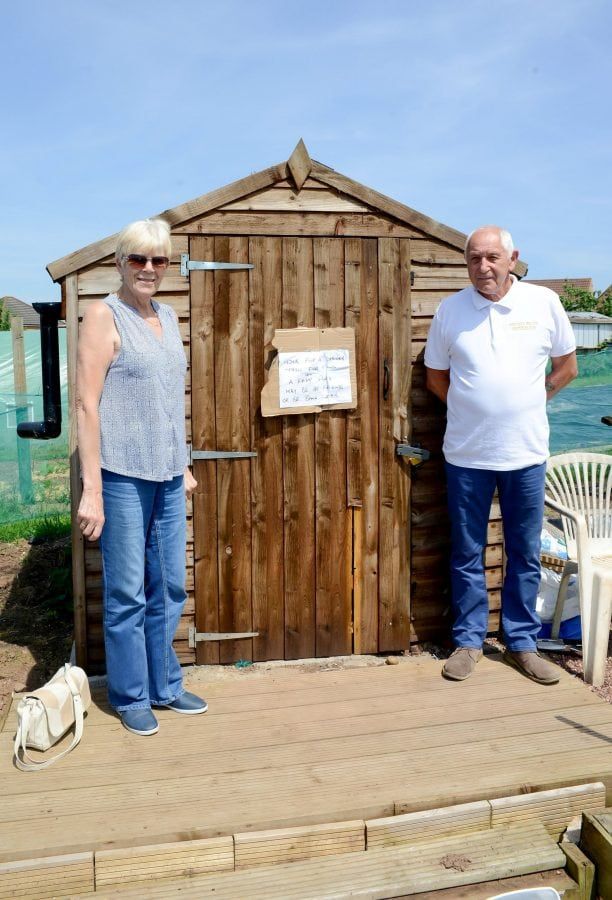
[{"x": 308, "y": 543}]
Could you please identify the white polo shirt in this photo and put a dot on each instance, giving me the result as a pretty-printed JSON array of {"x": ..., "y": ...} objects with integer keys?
[{"x": 497, "y": 354}]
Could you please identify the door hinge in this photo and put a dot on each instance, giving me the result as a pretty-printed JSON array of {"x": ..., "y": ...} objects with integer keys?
[
  {"x": 195, "y": 637},
  {"x": 219, "y": 454},
  {"x": 188, "y": 265}
]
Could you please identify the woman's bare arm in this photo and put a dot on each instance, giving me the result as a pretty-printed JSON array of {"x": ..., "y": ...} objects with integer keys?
[{"x": 98, "y": 344}]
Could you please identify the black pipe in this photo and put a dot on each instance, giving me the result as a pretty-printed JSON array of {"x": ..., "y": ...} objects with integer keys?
[{"x": 51, "y": 427}]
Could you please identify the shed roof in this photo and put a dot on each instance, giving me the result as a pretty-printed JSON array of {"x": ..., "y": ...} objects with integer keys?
[
  {"x": 24, "y": 311},
  {"x": 298, "y": 167},
  {"x": 589, "y": 318},
  {"x": 558, "y": 284}
]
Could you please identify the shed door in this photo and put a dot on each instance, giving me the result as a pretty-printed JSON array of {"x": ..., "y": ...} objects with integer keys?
[{"x": 306, "y": 543}]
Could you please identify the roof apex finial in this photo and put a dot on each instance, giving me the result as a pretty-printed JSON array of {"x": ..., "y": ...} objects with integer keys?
[{"x": 300, "y": 164}]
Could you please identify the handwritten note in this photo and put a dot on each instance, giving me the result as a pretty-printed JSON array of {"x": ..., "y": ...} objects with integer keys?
[{"x": 314, "y": 377}]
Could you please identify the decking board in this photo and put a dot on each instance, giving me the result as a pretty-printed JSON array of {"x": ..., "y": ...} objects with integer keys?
[
  {"x": 290, "y": 748},
  {"x": 502, "y": 852}
]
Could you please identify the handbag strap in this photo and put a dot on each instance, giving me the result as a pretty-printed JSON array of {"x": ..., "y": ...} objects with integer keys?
[{"x": 28, "y": 764}]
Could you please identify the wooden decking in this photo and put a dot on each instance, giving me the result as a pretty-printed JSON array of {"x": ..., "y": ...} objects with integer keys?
[{"x": 287, "y": 748}]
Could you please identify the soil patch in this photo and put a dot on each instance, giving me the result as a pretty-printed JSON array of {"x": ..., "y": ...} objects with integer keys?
[{"x": 35, "y": 614}]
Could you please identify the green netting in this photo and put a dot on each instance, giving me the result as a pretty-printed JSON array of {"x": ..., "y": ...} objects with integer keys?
[
  {"x": 575, "y": 422},
  {"x": 34, "y": 475}
]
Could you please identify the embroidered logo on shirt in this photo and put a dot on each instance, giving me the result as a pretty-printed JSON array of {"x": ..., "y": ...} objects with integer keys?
[{"x": 523, "y": 326}]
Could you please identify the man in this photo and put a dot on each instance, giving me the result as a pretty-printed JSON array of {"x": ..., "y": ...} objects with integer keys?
[{"x": 486, "y": 358}]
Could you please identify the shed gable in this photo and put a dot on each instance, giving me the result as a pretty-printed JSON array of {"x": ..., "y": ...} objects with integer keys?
[{"x": 283, "y": 186}]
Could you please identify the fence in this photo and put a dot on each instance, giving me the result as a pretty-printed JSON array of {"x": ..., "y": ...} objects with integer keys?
[{"x": 34, "y": 475}]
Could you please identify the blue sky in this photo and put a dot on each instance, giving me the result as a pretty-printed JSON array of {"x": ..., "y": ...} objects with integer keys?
[{"x": 471, "y": 112}]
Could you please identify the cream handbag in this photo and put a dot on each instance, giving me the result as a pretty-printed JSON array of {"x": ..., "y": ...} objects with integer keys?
[{"x": 46, "y": 714}]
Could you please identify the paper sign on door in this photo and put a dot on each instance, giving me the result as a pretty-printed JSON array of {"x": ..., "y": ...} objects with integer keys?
[
  {"x": 314, "y": 377},
  {"x": 313, "y": 370}
]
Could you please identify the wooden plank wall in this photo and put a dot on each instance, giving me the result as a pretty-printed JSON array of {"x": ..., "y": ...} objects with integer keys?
[{"x": 438, "y": 270}]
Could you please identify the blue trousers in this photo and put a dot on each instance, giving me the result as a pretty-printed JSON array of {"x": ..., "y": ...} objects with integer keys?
[
  {"x": 521, "y": 498},
  {"x": 143, "y": 559}
]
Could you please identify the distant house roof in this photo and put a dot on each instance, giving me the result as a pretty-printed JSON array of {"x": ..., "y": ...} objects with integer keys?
[
  {"x": 25, "y": 311},
  {"x": 588, "y": 318},
  {"x": 557, "y": 284}
]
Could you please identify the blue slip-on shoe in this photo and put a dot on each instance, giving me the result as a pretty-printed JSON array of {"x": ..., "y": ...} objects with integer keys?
[
  {"x": 139, "y": 721},
  {"x": 187, "y": 704}
]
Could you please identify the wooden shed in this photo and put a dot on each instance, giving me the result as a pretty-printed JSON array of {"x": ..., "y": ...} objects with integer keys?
[{"x": 323, "y": 541}]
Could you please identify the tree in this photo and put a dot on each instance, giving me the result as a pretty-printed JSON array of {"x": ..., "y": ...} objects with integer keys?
[
  {"x": 5, "y": 318},
  {"x": 576, "y": 299},
  {"x": 604, "y": 304}
]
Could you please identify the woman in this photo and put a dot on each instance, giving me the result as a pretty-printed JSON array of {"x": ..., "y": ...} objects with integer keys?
[{"x": 131, "y": 433}]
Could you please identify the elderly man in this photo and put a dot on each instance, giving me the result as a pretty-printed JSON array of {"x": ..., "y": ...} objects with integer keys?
[{"x": 486, "y": 358}]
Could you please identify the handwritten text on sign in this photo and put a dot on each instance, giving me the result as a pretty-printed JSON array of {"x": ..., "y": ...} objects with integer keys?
[{"x": 314, "y": 377}]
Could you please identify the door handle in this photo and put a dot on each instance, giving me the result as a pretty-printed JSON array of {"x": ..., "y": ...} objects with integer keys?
[{"x": 386, "y": 378}]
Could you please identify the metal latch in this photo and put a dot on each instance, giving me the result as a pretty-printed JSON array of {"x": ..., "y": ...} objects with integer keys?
[
  {"x": 416, "y": 455},
  {"x": 187, "y": 265},
  {"x": 196, "y": 637}
]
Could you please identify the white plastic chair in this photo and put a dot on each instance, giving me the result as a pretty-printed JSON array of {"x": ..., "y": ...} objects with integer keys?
[
  {"x": 579, "y": 487},
  {"x": 538, "y": 893}
]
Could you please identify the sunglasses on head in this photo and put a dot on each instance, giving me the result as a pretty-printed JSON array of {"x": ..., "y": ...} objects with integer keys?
[{"x": 139, "y": 261}]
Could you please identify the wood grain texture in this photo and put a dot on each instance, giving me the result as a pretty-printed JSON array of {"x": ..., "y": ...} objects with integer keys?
[
  {"x": 299, "y": 164},
  {"x": 391, "y": 872},
  {"x": 299, "y": 469},
  {"x": 286, "y": 747},
  {"x": 79, "y": 593},
  {"x": 283, "y": 845},
  {"x": 394, "y": 321},
  {"x": 286, "y": 200},
  {"x": 49, "y": 876},
  {"x": 294, "y": 222},
  {"x": 555, "y": 808},
  {"x": 161, "y": 861},
  {"x": 596, "y": 843},
  {"x": 429, "y": 824},
  {"x": 233, "y": 433},
  {"x": 204, "y": 437},
  {"x": 265, "y": 313},
  {"x": 361, "y": 302},
  {"x": 333, "y": 615}
]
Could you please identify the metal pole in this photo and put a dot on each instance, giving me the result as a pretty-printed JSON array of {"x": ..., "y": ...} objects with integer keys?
[{"x": 24, "y": 458}]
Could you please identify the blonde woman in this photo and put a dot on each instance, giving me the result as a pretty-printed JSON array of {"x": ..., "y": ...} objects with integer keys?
[{"x": 131, "y": 434}]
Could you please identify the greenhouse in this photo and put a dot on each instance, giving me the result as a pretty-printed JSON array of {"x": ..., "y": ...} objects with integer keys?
[{"x": 34, "y": 478}]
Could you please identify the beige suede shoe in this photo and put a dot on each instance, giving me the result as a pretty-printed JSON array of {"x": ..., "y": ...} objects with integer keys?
[
  {"x": 461, "y": 663},
  {"x": 532, "y": 666}
]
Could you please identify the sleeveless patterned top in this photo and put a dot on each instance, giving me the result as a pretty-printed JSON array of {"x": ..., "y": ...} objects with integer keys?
[{"x": 142, "y": 408}]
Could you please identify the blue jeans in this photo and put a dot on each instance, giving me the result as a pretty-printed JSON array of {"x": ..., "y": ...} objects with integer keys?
[
  {"x": 521, "y": 498},
  {"x": 143, "y": 562}
]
